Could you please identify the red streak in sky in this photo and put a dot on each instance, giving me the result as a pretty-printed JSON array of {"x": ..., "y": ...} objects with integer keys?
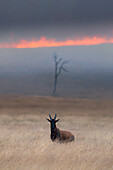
[{"x": 44, "y": 42}]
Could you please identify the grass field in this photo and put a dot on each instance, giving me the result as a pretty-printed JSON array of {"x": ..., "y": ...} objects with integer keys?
[{"x": 25, "y": 134}]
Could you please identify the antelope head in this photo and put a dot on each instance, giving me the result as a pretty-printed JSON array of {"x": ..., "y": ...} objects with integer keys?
[{"x": 53, "y": 126}]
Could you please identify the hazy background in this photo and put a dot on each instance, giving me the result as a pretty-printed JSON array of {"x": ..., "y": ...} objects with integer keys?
[{"x": 31, "y": 71}]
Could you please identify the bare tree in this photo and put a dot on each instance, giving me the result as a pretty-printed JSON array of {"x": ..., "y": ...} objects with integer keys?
[{"x": 59, "y": 66}]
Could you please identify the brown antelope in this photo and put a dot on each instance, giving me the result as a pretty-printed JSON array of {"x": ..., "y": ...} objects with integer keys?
[{"x": 57, "y": 134}]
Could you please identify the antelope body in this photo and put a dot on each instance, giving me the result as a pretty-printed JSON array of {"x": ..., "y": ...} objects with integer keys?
[{"x": 57, "y": 134}]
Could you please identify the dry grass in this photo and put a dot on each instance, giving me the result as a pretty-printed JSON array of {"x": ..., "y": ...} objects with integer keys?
[{"x": 24, "y": 134}]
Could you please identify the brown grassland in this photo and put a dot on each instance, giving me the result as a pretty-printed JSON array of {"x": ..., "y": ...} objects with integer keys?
[{"x": 25, "y": 134}]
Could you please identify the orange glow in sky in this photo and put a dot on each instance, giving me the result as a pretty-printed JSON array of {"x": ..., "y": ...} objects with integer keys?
[{"x": 44, "y": 42}]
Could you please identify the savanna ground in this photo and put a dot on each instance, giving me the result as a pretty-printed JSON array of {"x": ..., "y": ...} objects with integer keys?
[{"x": 25, "y": 134}]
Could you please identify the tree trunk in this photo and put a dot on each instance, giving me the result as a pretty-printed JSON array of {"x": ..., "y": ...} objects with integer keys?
[
  {"x": 54, "y": 90},
  {"x": 55, "y": 81},
  {"x": 58, "y": 69}
]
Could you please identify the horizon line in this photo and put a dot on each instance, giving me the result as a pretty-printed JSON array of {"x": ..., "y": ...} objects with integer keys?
[{"x": 44, "y": 42}]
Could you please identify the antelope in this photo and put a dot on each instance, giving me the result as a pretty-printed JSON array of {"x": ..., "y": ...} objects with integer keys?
[{"x": 57, "y": 134}]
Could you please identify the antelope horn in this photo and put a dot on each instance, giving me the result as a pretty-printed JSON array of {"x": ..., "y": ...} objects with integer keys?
[
  {"x": 50, "y": 116},
  {"x": 55, "y": 116}
]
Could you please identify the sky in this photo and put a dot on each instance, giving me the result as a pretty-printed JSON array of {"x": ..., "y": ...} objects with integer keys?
[
  {"x": 51, "y": 23},
  {"x": 78, "y": 31},
  {"x": 32, "y": 31},
  {"x": 90, "y": 59}
]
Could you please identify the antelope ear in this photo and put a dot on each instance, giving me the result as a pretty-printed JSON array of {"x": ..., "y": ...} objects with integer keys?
[
  {"x": 57, "y": 120},
  {"x": 48, "y": 119}
]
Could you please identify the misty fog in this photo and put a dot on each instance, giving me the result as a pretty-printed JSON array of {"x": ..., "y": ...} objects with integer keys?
[
  {"x": 31, "y": 71},
  {"x": 81, "y": 58}
]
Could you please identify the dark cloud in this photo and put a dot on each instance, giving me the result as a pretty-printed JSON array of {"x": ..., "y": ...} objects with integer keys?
[
  {"x": 59, "y": 19},
  {"x": 55, "y": 11},
  {"x": 57, "y": 32}
]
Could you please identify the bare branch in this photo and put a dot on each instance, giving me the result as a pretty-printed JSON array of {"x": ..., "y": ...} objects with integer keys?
[
  {"x": 59, "y": 66},
  {"x": 59, "y": 60},
  {"x": 62, "y": 68},
  {"x": 55, "y": 58}
]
